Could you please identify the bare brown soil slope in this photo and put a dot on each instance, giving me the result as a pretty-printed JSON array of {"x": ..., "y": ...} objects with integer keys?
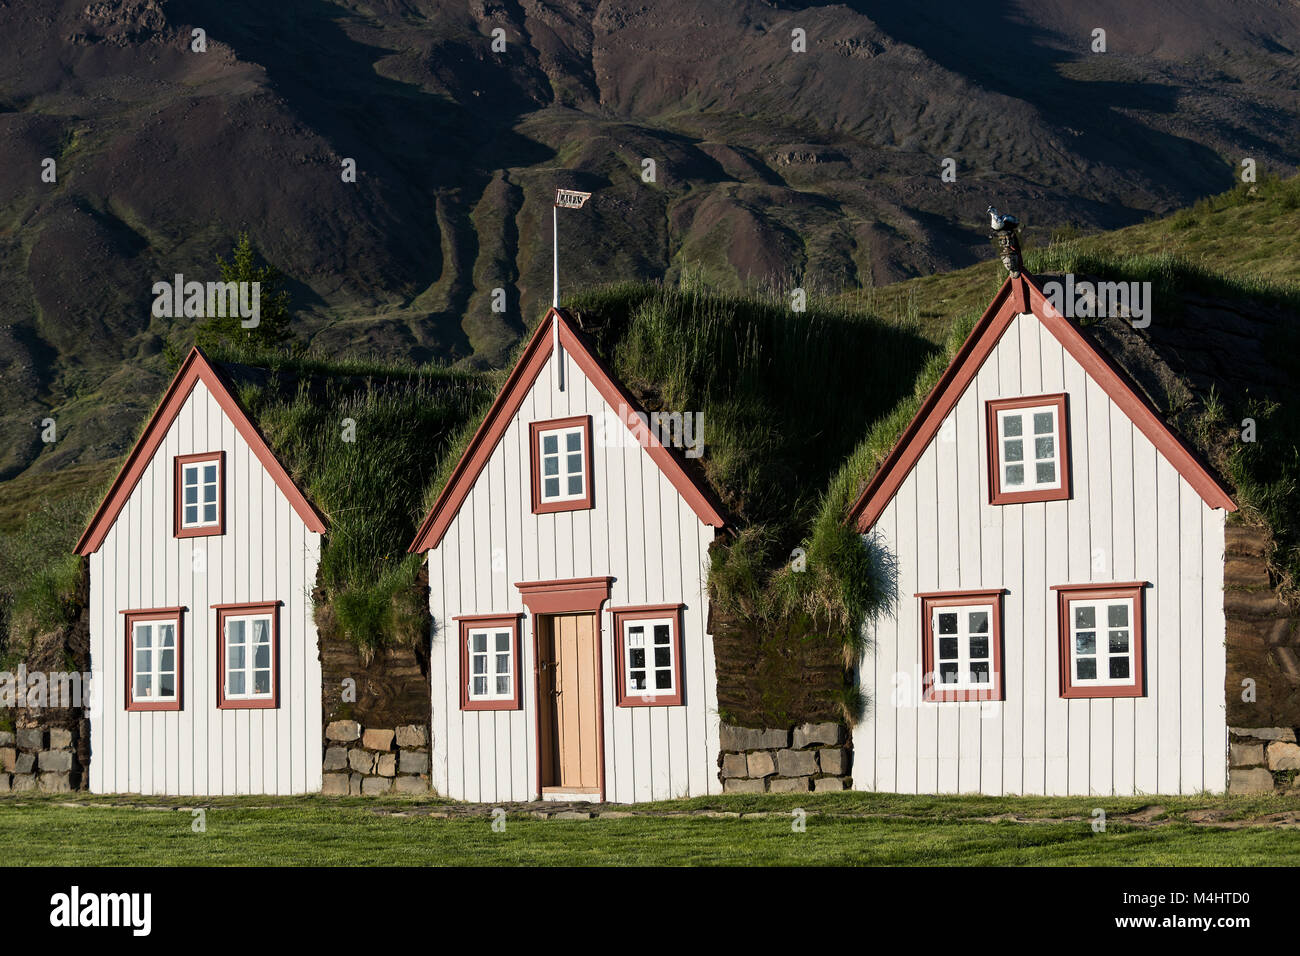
[{"x": 821, "y": 166}]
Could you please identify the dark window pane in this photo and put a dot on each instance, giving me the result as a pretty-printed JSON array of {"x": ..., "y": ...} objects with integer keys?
[
  {"x": 1085, "y": 642},
  {"x": 550, "y": 466},
  {"x": 979, "y": 647},
  {"x": 1046, "y": 473},
  {"x": 1119, "y": 642},
  {"x": 663, "y": 657},
  {"x": 552, "y": 488},
  {"x": 550, "y": 444},
  {"x": 1011, "y": 425},
  {"x": 573, "y": 441},
  {"x": 947, "y": 673},
  {"x": 947, "y": 648},
  {"x": 948, "y": 622},
  {"x": 663, "y": 680},
  {"x": 575, "y": 485},
  {"x": 979, "y": 672},
  {"x": 977, "y": 622},
  {"x": 1014, "y": 450},
  {"x": 637, "y": 656},
  {"x": 1086, "y": 668},
  {"x": 1043, "y": 423},
  {"x": 1119, "y": 668},
  {"x": 1084, "y": 616},
  {"x": 1117, "y": 615}
]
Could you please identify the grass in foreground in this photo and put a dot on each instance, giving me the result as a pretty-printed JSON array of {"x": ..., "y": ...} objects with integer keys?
[{"x": 905, "y": 831}]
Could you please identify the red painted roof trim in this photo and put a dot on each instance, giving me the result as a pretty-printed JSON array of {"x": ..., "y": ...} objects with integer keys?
[
  {"x": 1006, "y": 305},
  {"x": 696, "y": 494},
  {"x": 196, "y": 368}
]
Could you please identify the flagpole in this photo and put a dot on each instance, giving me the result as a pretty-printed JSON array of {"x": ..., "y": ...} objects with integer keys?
[
  {"x": 555, "y": 293},
  {"x": 570, "y": 199}
]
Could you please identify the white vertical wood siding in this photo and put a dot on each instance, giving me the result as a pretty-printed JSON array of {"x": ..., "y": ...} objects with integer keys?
[
  {"x": 1131, "y": 517},
  {"x": 266, "y": 554},
  {"x": 640, "y": 532}
]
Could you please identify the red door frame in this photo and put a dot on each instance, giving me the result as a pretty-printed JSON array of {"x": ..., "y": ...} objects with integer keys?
[{"x": 570, "y": 596}]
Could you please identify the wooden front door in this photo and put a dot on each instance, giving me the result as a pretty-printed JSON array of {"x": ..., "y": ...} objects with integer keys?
[{"x": 569, "y": 705}]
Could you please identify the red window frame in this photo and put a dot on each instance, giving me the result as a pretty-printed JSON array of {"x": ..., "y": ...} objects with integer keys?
[
  {"x": 534, "y": 453},
  {"x": 1067, "y": 594},
  {"x": 994, "y": 440},
  {"x": 239, "y": 610},
  {"x": 178, "y": 489},
  {"x": 133, "y": 616},
  {"x": 475, "y": 622},
  {"x": 931, "y": 690},
  {"x": 647, "y": 612}
]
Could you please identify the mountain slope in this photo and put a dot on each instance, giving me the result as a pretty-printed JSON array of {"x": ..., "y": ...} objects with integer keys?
[{"x": 820, "y": 167}]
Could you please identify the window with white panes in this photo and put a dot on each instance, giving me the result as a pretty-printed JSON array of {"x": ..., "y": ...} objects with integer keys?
[
  {"x": 963, "y": 647},
  {"x": 1101, "y": 642},
  {"x": 649, "y": 665},
  {"x": 249, "y": 653},
  {"x": 491, "y": 663},
  {"x": 562, "y": 457},
  {"x": 1029, "y": 448},
  {"x": 154, "y": 662},
  {"x": 200, "y": 490}
]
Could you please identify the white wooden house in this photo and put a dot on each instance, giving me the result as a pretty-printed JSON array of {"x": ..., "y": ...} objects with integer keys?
[
  {"x": 571, "y": 657},
  {"x": 1058, "y": 625},
  {"x": 202, "y": 644}
]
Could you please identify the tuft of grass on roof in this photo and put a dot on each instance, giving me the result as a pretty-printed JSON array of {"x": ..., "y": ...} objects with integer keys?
[
  {"x": 783, "y": 396},
  {"x": 39, "y": 573},
  {"x": 1264, "y": 472},
  {"x": 842, "y": 579},
  {"x": 364, "y": 441}
]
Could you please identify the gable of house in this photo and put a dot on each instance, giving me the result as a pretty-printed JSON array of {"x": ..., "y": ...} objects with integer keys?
[
  {"x": 627, "y": 549},
  {"x": 196, "y": 374},
  {"x": 557, "y": 329},
  {"x": 978, "y": 674},
  {"x": 1020, "y": 296},
  {"x": 201, "y": 527}
]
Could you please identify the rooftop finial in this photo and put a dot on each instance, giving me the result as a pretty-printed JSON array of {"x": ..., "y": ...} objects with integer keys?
[{"x": 1006, "y": 230}]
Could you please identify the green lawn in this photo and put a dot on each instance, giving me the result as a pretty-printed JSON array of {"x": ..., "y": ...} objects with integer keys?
[{"x": 844, "y": 829}]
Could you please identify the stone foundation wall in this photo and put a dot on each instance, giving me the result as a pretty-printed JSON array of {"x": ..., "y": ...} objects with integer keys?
[
  {"x": 374, "y": 761},
  {"x": 807, "y": 757},
  {"x": 1263, "y": 760},
  {"x": 39, "y": 758}
]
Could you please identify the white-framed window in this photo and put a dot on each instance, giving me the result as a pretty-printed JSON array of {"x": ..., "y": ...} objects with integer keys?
[
  {"x": 1103, "y": 643},
  {"x": 249, "y": 656},
  {"x": 491, "y": 663},
  {"x": 650, "y": 650},
  {"x": 963, "y": 638},
  {"x": 1029, "y": 448},
  {"x": 200, "y": 491},
  {"x": 562, "y": 460},
  {"x": 154, "y": 669}
]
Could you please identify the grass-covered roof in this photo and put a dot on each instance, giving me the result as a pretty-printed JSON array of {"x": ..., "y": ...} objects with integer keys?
[{"x": 799, "y": 409}]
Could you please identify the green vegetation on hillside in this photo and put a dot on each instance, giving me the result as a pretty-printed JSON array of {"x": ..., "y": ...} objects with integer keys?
[{"x": 364, "y": 441}]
